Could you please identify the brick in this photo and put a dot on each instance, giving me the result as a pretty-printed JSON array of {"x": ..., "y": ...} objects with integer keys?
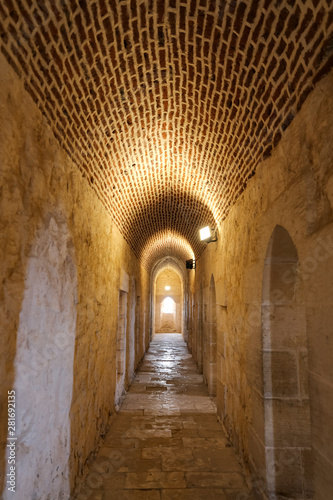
[{"x": 189, "y": 75}]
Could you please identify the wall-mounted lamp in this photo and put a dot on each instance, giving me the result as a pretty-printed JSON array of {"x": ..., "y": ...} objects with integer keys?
[
  {"x": 167, "y": 287},
  {"x": 208, "y": 235},
  {"x": 190, "y": 264}
]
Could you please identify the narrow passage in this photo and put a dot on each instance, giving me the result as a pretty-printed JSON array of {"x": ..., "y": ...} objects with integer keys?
[{"x": 166, "y": 442}]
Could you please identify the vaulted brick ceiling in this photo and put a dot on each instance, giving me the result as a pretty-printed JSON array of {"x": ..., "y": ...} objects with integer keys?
[{"x": 167, "y": 106}]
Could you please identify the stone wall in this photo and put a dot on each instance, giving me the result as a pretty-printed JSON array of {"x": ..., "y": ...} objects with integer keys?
[
  {"x": 274, "y": 310},
  {"x": 62, "y": 264}
]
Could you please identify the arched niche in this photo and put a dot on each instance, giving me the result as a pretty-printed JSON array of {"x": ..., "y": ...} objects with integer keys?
[
  {"x": 288, "y": 454},
  {"x": 199, "y": 321},
  {"x": 122, "y": 334},
  {"x": 210, "y": 339}
]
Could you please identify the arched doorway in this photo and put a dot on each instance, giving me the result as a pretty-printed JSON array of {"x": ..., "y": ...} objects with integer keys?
[
  {"x": 168, "y": 302},
  {"x": 285, "y": 373},
  {"x": 168, "y": 316}
]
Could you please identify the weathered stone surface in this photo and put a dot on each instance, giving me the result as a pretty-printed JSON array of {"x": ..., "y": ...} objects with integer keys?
[
  {"x": 182, "y": 465},
  {"x": 132, "y": 495},
  {"x": 322, "y": 412},
  {"x": 61, "y": 263},
  {"x": 202, "y": 442},
  {"x": 290, "y": 425},
  {"x": 288, "y": 473},
  {"x": 290, "y": 191},
  {"x": 155, "y": 480},
  {"x": 191, "y": 494},
  {"x": 69, "y": 348},
  {"x": 187, "y": 464},
  {"x": 214, "y": 479},
  {"x": 283, "y": 366}
]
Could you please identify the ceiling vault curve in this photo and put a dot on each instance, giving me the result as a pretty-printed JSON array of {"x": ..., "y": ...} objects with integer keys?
[{"x": 168, "y": 107}]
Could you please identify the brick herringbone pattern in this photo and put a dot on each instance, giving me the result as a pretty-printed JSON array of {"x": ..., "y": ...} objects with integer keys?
[{"x": 167, "y": 106}]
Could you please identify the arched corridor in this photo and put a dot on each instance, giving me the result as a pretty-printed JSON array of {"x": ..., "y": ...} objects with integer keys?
[
  {"x": 166, "y": 441},
  {"x": 166, "y": 249}
]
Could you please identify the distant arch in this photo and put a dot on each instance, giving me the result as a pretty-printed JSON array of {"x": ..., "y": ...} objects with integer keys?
[{"x": 168, "y": 322}]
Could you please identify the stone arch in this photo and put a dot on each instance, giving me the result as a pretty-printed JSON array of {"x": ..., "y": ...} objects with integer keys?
[
  {"x": 210, "y": 339},
  {"x": 44, "y": 364},
  {"x": 285, "y": 373},
  {"x": 168, "y": 301},
  {"x": 178, "y": 266}
]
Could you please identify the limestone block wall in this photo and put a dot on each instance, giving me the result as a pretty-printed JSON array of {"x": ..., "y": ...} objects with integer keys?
[
  {"x": 274, "y": 310},
  {"x": 61, "y": 266},
  {"x": 209, "y": 335}
]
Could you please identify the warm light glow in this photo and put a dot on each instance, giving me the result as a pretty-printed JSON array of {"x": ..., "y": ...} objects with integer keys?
[
  {"x": 173, "y": 241},
  {"x": 167, "y": 287},
  {"x": 204, "y": 233},
  {"x": 168, "y": 306}
]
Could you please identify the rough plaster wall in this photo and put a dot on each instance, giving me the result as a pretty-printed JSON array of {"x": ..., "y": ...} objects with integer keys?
[
  {"x": 39, "y": 181},
  {"x": 44, "y": 366},
  {"x": 292, "y": 189}
]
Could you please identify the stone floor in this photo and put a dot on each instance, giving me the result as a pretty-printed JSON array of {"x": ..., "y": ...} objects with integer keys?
[{"x": 166, "y": 443}]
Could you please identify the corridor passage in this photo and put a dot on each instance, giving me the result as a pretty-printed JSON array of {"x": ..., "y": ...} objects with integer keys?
[{"x": 166, "y": 443}]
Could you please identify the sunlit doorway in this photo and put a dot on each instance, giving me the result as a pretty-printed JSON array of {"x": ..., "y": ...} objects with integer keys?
[{"x": 168, "y": 301}]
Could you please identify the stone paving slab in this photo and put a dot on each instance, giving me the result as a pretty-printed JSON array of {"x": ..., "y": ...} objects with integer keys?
[
  {"x": 166, "y": 442},
  {"x": 155, "y": 480},
  {"x": 132, "y": 495},
  {"x": 190, "y": 494},
  {"x": 233, "y": 480}
]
